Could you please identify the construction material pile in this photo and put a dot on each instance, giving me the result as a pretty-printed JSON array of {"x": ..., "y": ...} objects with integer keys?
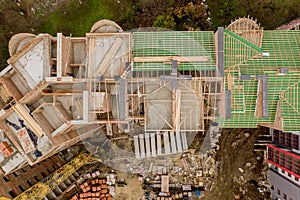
[{"x": 93, "y": 190}]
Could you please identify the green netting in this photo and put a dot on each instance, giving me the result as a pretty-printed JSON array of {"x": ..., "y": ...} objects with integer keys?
[
  {"x": 236, "y": 51},
  {"x": 238, "y": 98},
  {"x": 171, "y": 43},
  {"x": 244, "y": 41},
  {"x": 284, "y": 52},
  {"x": 247, "y": 119},
  {"x": 290, "y": 117},
  {"x": 289, "y": 106}
]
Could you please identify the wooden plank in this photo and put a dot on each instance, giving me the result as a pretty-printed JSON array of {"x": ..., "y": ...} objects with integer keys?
[
  {"x": 91, "y": 57},
  {"x": 177, "y": 111},
  {"x": 27, "y": 48},
  {"x": 39, "y": 117},
  {"x": 33, "y": 125},
  {"x": 66, "y": 42},
  {"x": 259, "y": 100},
  {"x": 11, "y": 89},
  {"x": 59, "y": 55},
  {"x": 229, "y": 81},
  {"x": 63, "y": 111},
  {"x": 173, "y": 100},
  {"x": 170, "y": 58},
  {"x": 106, "y": 61},
  {"x": 85, "y": 106},
  {"x": 60, "y": 129}
]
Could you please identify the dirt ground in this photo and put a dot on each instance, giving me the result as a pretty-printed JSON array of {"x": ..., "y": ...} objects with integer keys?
[
  {"x": 236, "y": 151},
  {"x": 132, "y": 191},
  {"x": 242, "y": 173}
]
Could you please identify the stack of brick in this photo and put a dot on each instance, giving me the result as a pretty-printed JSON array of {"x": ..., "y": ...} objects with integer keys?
[
  {"x": 5, "y": 149},
  {"x": 95, "y": 189}
]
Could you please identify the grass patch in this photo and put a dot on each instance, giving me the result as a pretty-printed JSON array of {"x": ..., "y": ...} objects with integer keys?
[{"x": 78, "y": 18}]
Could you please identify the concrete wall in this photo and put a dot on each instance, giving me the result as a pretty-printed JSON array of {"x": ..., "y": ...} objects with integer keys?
[{"x": 286, "y": 187}]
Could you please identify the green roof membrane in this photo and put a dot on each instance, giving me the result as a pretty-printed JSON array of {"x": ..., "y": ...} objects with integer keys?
[
  {"x": 284, "y": 50},
  {"x": 244, "y": 58},
  {"x": 244, "y": 41},
  {"x": 171, "y": 43}
]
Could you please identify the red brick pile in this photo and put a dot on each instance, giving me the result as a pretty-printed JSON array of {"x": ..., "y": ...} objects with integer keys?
[
  {"x": 5, "y": 149},
  {"x": 93, "y": 190}
]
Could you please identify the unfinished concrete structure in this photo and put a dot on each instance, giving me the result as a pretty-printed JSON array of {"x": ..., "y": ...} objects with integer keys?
[{"x": 59, "y": 90}]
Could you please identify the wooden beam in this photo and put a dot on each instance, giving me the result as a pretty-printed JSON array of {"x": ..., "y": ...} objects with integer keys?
[
  {"x": 91, "y": 57},
  {"x": 229, "y": 80},
  {"x": 40, "y": 118},
  {"x": 177, "y": 111},
  {"x": 259, "y": 100},
  {"x": 59, "y": 55},
  {"x": 63, "y": 111},
  {"x": 19, "y": 54},
  {"x": 85, "y": 107},
  {"x": 106, "y": 61},
  {"x": 34, "y": 94},
  {"x": 169, "y": 58},
  {"x": 67, "y": 44},
  {"x": 33, "y": 125},
  {"x": 11, "y": 88}
]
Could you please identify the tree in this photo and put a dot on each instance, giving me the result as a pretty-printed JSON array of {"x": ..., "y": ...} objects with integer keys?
[
  {"x": 270, "y": 13},
  {"x": 165, "y": 21}
]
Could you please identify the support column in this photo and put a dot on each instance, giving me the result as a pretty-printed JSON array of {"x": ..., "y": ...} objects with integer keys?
[
  {"x": 153, "y": 146},
  {"x": 148, "y": 148},
  {"x": 85, "y": 102},
  {"x": 59, "y": 55},
  {"x": 178, "y": 141},
  {"x": 136, "y": 146},
  {"x": 173, "y": 143},
  {"x": 158, "y": 143},
  {"x": 184, "y": 140},
  {"x": 166, "y": 143},
  {"x": 142, "y": 145}
]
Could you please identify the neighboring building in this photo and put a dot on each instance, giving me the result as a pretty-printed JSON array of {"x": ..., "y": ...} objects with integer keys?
[
  {"x": 292, "y": 25},
  {"x": 284, "y": 158}
]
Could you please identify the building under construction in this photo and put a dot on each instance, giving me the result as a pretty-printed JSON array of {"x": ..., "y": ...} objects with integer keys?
[{"x": 59, "y": 90}]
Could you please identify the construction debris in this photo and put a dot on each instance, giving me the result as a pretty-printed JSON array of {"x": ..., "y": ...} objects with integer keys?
[{"x": 92, "y": 190}]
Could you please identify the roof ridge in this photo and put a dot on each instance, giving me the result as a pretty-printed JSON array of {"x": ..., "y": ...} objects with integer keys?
[{"x": 243, "y": 40}]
